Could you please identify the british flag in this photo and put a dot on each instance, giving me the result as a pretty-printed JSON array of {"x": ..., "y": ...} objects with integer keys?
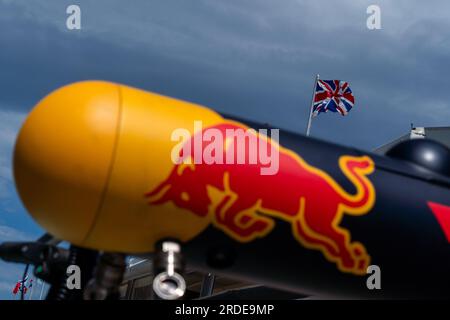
[
  {"x": 334, "y": 96},
  {"x": 20, "y": 286}
]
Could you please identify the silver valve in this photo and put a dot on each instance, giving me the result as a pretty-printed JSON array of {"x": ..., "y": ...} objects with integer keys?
[{"x": 168, "y": 283}]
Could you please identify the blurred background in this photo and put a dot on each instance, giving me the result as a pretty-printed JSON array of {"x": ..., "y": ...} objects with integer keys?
[{"x": 254, "y": 59}]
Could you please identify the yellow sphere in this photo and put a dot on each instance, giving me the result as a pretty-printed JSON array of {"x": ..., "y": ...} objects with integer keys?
[{"x": 87, "y": 154}]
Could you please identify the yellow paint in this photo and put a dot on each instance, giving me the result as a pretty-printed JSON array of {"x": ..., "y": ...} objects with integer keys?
[
  {"x": 185, "y": 196},
  {"x": 87, "y": 153}
]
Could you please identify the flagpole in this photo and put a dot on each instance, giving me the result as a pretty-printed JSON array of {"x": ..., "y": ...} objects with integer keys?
[
  {"x": 308, "y": 128},
  {"x": 24, "y": 278}
]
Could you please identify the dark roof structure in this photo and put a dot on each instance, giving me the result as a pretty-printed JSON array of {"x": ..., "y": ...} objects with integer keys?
[{"x": 440, "y": 134}]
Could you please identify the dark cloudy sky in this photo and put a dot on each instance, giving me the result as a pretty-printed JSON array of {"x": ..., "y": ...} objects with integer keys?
[{"x": 253, "y": 59}]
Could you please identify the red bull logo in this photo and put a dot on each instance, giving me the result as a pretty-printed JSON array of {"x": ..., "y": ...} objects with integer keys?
[{"x": 245, "y": 204}]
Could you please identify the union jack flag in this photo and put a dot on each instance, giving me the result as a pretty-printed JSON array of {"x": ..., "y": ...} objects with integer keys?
[
  {"x": 20, "y": 286},
  {"x": 334, "y": 96}
]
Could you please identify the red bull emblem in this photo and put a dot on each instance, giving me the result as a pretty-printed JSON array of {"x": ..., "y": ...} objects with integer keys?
[{"x": 243, "y": 203}]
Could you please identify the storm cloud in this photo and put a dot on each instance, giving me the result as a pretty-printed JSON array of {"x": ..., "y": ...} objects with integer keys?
[
  {"x": 255, "y": 59},
  {"x": 248, "y": 58}
]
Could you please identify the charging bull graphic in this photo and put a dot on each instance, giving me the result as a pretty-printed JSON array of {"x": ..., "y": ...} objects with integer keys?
[{"x": 243, "y": 203}]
